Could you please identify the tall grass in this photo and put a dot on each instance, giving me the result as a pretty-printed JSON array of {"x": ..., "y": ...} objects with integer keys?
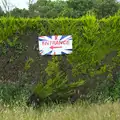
[{"x": 108, "y": 111}]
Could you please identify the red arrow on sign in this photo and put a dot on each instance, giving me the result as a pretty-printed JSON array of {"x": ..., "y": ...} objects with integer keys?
[{"x": 52, "y": 47}]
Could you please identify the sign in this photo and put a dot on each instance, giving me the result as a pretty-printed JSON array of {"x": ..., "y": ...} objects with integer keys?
[{"x": 55, "y": 45}]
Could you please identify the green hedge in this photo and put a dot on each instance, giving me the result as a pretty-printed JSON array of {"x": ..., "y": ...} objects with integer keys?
[{"x": 96, "y": 51}]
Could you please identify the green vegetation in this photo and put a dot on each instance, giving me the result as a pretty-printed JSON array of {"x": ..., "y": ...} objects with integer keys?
[
  {"x": 61, "y": 8},
  {"x": 15, "y": 93},
  {"x": 83, "y": 111},
  {"x": 95, "y": 59},
  {"x": 91, "y": 73}
]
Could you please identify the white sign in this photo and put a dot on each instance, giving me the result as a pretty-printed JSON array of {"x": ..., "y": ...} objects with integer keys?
[{"x": 55, "y": 45}]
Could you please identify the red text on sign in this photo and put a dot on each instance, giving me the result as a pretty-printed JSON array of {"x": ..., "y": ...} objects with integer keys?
[{"x": 65, "y": 42}]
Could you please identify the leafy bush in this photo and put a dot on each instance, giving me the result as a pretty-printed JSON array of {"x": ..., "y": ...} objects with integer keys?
[
  {"x": 15, "y": 92},
  {"x": 57, "y": 87},
  {"x": 106, "y": 90},
  {"x": 115, "y": 89}
]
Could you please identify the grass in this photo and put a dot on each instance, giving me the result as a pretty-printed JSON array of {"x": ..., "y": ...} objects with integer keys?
[{"x": 108, "y": 111}]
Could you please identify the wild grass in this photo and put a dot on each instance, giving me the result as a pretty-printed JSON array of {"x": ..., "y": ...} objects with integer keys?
[{"x": 78, "y": 111}]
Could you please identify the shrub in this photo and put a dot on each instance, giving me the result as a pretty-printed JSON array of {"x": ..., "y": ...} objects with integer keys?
[
  {"x": 96, "y": 52},
  {"x": 15, "y": 92},
  {"x": 56, "y": 89}
]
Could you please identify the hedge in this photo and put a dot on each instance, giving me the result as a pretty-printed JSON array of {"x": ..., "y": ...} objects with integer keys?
[{"x": 96, "y": 51}]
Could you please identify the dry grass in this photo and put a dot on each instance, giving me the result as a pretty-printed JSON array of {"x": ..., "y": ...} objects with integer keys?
[{"x": 108, "y": 111}]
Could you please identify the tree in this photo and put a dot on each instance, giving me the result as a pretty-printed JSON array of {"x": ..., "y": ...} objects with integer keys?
[
  {"x": 80, "y": 7},
  {"x": 47, "y": 8},
  {"x": 1, "y": 11},
  {"x": 69, "y": 8},
  {"x": 102, "y": 8},
  {"x": 39, "y": 8},
  {"x": 106, "y": 8},
  {"x": 16, "y": 12}
]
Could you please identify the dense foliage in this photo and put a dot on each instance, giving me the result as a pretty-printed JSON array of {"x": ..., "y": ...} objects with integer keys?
[
  {"x": 60, "y": 8},
  {"x": 95, "y": 57}
]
